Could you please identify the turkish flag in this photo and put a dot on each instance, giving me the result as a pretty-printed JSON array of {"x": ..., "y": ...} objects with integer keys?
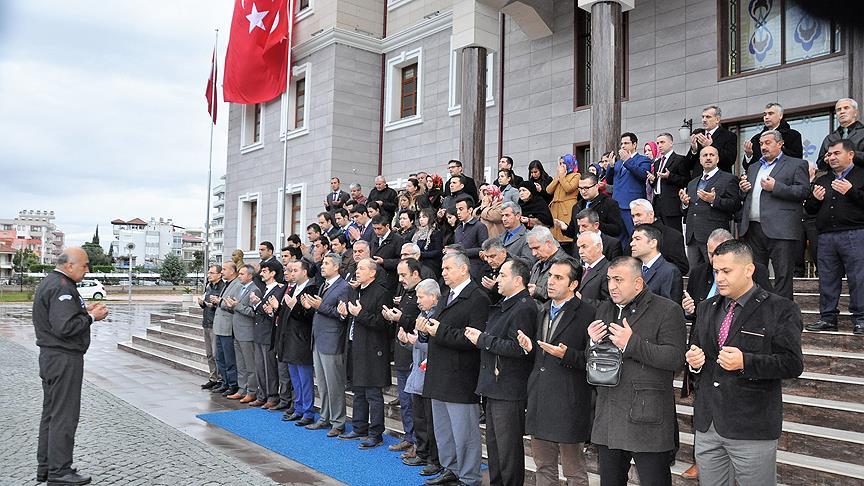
[
  {"x": 256, "y": 65},
  {"x": 210, "y": 94}
]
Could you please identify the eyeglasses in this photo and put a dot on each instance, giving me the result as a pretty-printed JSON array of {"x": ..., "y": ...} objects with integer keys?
[{"x": 586, "y": 187}]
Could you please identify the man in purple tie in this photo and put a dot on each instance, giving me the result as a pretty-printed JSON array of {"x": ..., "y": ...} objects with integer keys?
[{"x": 744, "y": 343}]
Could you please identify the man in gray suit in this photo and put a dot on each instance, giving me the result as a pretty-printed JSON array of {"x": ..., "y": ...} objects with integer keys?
[
  {"x": 773, "y": 193},
  {"x": 243, "y": 324},
  {"x": 328, "y": 334},
  {"x": 222, "y": 328},
  {"x": 513, "y": 237}
]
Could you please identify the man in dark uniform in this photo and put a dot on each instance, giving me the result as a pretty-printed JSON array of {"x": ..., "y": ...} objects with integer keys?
[{"x": 62, "y": 322}]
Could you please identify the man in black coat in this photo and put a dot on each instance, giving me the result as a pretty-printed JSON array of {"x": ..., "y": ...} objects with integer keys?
[
  {"x": 385, "y": 196},
  {"x": 454, "y": 168},
  {"x": 608, "y": 212},
  {"x": 336, "y": 198},
  {"x": 293, "y": 342},
  {"x": 214, "y": 287},
  {"x": 494, "y": 254},
  {"x": 470, "y": 233},
  {"x": 504, "y": 370},
  {"x": 772, "y": 117},
  {"x": 265, "y": 251},
  {"x": 710, "y": 202},
  {"x": 452, "y": 370},
  {"x": 266, "y": 364},
  {"x": 746, "y": 341},
  {"x": 661, "y": 276},
  {"x": 593, "y": 287},
  {"x": 385, "y": 249},
  {"x": 716, "y": 136},
  {"x": 559, "y": 397},
  {"x": 849, "y": 127},
  {"x": 370, "y": 355},
  {"x": 671, "y": 174},
  {"x": 672, "y": 244}
]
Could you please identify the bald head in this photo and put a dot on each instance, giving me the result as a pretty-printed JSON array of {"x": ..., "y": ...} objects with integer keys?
[{"x": 74, "y": 263}]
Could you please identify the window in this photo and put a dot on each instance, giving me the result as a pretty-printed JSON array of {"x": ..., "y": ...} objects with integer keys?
[
  {"x": 812, "y": 126},
  {"x": 296, "y": 210},
  {"x": 304, "y": 9},
  {"x": 403, "y": 90},
  {"x": 295, "y": 104},
  {"x": 302, "y": 5},
  {"x": 248, "y": 222},
  {"x": 582, "y": 68},
  {"x": 582, "y": 152},
  {"x": 761, "y": 35},
  {"x": 252, "y": 127},
  {"x": 455, "y": 101},
  {"x": 253, "y": 224}
]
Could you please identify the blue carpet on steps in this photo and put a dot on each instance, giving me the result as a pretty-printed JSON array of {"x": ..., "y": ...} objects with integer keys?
[{"x": 339, "y": 459}]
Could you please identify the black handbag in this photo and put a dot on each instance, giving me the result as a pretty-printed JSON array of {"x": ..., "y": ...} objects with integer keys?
[{"x": 603, "y": 366}]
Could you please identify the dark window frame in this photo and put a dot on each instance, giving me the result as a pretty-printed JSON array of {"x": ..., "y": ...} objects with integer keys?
[
  {"x": 299, "y": 102},
  {"x": 582, "y": 58},
  {"x": 407, "y": 110},
  {"x": 253, "y": 224}
]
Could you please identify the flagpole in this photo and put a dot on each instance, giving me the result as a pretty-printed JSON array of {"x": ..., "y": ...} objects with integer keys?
[
  {"x": 213, "y": 73},
  {"x": 281, "y": 238}
]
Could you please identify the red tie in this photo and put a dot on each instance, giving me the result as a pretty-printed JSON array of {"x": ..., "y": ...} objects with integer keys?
[{"x": 726, "y": 324}]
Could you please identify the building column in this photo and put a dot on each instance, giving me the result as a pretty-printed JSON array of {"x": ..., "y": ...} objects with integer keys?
[
  {"x": 472, "y": 140},
  {"x": 606, "y": 82},
  {"x": 856, "y": 65}
]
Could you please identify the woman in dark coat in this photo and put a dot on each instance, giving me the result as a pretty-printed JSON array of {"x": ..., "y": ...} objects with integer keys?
[
  {"x": 428, "y": 238},
  {"x": 540, "y": 179},
  {"x": 535, "y": 210}
]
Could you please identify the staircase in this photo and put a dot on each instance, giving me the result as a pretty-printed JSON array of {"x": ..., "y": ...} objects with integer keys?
[{"x": 823, "y": 429}]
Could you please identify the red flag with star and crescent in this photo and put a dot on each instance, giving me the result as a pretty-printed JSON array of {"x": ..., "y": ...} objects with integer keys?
[
  {"x": 210, "y": 93},
  {"x": 256, "y": 64}
]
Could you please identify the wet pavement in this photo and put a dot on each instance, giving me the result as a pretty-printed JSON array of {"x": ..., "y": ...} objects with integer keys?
[{"x": 126, "y": 396}]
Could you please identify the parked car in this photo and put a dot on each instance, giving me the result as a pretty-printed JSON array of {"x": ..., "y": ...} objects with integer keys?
[{"x": 91, "y": 289}]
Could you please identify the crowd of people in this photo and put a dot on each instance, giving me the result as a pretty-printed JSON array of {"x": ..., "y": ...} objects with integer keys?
[{"x": 489, "y": 300}]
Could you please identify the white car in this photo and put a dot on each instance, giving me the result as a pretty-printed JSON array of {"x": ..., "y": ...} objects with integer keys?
[{"x": 91, "y": 289}]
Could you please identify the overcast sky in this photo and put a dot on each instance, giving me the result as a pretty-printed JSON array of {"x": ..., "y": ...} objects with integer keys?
[{"x": 102, "y": 110}]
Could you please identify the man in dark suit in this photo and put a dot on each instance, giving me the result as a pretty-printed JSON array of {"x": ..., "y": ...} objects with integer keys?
[
  {"x": 470, "y": 233},
  {"x": 494, "y": 254},
  {"x": 362, "y": 228},
  {"x": 746, "y": 341},
  {"x": 557, "y": 383},
  {"x": 701, "y": 283},
  {"x": 627, "y": 175},
  {"x": 716, "y": 136},
  {"x": 710, "y": 202},
  {"x": 329, "y": 336},
  {"x": 504, "y": 371},
  {"x": 385, "y": 249},
  {"x": 506, "y": 162},
  {"x": 385, "y": 196},
  {"x": 326, "y": 223},
  {"x": 636, "y": 419},
  {"x": 772, "y": 194},
  {"x": 293, "y": 342},
  {"x": 453, "y": 367},
  {"x": 593, "y": 286},
  {"x": 589, "y": 220},
  {"x": 454, "y": 168},
  {"x": 265, "y": 251},
  {"x": 849, "y": 127},
  {"x": 609, "y": 215},
  {"x": 772, "y": 118},
  {"x": 336, "y": 198},
  {"x": 672, "y": 246},
  {"x": 669, "y": 176},
  {"x": 370, "y": 356},
  {"x": 266, "y": 308},
  {"x": 661, "y": 276}
]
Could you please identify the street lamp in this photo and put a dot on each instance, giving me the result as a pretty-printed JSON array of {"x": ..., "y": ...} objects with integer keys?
[{"x": 129, "y": 247}]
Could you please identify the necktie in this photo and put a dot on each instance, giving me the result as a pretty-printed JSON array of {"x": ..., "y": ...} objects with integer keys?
[
  {"x": 703, "y": 182},
  {"x": 708, "y": 135},
  {"x": 324, "y": 289},
  {"x": 335, "y": 196},
  {"x": 380, "y": 242},
  {"x": 726, "y": 324},
  {"x": 645, "y": 269},
  {"x": 585, "y": 275},
  {"x": 451, "y": 297},
  {"x": 587, "y": 204},
  {"x": 507, "y": 236},
  {"x": 553, "y": 313},
  {"x": 845, "y": 132}
]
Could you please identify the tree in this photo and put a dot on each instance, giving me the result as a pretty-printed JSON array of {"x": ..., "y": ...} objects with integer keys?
[
  {"x": 24, "y": 259},
  {"x": 172, "y": 269},
  {"x": 197, "y": 263},
  {"x": 95, "y": 252}
]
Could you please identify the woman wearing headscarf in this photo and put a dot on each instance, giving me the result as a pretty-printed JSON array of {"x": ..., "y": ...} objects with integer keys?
[
  {"x": 534, "y": 208},
  {"x": 564, "y": 189},
  {"x": 489, "y": 210},
  {"x": 537, "y": 174}
]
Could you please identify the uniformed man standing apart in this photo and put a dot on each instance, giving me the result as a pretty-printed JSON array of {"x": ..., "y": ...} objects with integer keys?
[
  {"x": 744, "y": 343},
  {"x": 62, "y": 321}
]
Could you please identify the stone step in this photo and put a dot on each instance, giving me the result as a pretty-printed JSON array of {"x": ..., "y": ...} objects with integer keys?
[
  {"x": 844, "y": 388},
  {"x": 189, "y": 353},
  {"x": 834, "y": 362},
  {"x": 810, "y": 301},
  {"x": 165, "y": 358},
  {"x": 178, "y": 337},
  {"x": 190, "y": 318},
  {"x": 182, "y": 327},
  {"x": 811, "y": 285},
  {"x": 195, "y": 310},
  {"x": 828, "y": 341}
]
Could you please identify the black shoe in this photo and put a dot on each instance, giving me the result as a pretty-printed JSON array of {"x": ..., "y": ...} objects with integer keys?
[
  {"x": 371, "y": 443},
  {"x": 210, "y": 384},
  {"x": 431, "y": 470},
  {"x": 351, "y": 436},
  {"x": 68, "y": 479},
  {"x": 230, "y": 391},
  {"x": 290, "y": 410},
  {"x": 219, "y": 389},
  {"x": 281, "y": 406},
  {"x": 414, "y": 461},
  {"x": 447, "y": 478},
  {"x": 42, "y": 474},
  {"x": 304, "y": 422},
  {"x": 858, "y": 329},
  {"x": 291, "y": 418},
  {"x": 821, "y": 325}
]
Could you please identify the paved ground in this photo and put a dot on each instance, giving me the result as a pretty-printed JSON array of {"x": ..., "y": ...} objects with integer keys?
[{"x": 138, "y": 422}]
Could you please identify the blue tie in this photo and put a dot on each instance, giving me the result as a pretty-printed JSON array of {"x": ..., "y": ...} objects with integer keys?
[
  {"x": 553, "y": 312},
  {"x": 645, "y": 270}
]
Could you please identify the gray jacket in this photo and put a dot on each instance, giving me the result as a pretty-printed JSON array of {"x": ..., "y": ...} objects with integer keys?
[
  {"x": 540, "y": 275},
  {"x": 780, "y": 210},
  {"x": 223, "y": 319},
  {"x": 244, "y": 313},
  {"x": 517, "y": 245},
  {"x": 414, "y": 383}
]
